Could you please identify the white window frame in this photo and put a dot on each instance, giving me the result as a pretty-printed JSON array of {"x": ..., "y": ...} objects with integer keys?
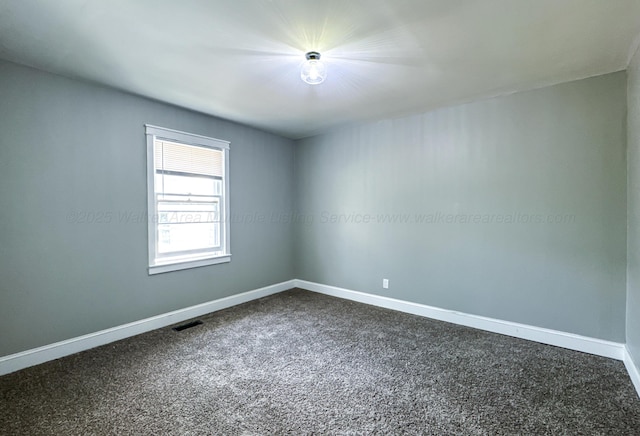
[{"x": 156, "y": 265}]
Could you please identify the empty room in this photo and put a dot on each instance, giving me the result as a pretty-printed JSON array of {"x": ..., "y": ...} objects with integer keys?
[{"x": 265, "y": 217}]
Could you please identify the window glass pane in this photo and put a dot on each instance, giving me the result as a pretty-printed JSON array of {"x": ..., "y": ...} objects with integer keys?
[
  {"x": 188, "y": 212},
  {"x": 184, "y": 237},
  {"x": 175, "y": 184},
  {"x": 187, "y": 194}
]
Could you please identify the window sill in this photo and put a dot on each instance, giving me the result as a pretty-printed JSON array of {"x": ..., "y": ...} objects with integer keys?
[{"x": 187, "y": 264}]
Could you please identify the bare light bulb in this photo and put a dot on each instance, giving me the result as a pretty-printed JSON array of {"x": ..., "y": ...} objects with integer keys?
[{"x": 313, "y": 70}]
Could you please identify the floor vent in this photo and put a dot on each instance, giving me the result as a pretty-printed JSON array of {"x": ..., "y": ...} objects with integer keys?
[{"x": 187, "y": 325}]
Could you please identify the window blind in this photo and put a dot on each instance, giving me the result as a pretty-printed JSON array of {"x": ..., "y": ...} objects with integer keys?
[{"x": 190, "y": 159}]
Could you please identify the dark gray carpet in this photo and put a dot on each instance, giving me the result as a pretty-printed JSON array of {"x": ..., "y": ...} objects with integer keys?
[{"x": 304, "y": 363}]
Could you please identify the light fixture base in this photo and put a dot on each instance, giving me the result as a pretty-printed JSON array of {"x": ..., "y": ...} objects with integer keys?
[
  {"x": 313, "y": 55},
  {"x": 313, "y": 70}
]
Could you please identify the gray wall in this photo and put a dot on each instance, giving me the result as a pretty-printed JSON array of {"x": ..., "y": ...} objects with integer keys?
[
  {"x": 514, "y": 161},
  {"x": 633, "y": 199},
  {"x": 69, "y": 148}
]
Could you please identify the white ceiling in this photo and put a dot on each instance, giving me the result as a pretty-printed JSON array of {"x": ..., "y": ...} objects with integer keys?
[{"x": 240, "y": 59}]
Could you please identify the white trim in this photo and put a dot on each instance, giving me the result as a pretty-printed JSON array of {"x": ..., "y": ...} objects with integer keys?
[
  {"x": 25, "y": 359},
  {"x": 176, "y": 266},
  {"x": 35, "y": 356},
  {"x": 632, "y": 369},
  {"x": 152, "y": 213},
  {"x": 158, "y": 266},
  {"x": 226, "y": 208},
  {"x": 557, "y": 338},
  {"x": 185, "y": 137}
]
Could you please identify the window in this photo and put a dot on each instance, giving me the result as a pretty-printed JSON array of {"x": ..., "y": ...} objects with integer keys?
[{"x": 188, "y": 200}]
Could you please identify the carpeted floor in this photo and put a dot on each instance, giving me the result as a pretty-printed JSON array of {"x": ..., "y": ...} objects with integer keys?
[{"x": 304, "y": 363}]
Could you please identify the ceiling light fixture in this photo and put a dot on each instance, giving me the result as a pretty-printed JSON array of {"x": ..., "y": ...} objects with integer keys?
[{"x": 313, "y": 70}]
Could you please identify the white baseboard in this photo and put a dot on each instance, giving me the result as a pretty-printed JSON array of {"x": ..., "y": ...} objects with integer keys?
[
  {"x": 632, "y": 369},
  {"x": 15, "y": 362},
  {"x": 546, "y": 336}
]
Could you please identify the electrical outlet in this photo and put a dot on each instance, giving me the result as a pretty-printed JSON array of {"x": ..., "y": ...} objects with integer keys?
[{"x": 385, "y": 283}]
